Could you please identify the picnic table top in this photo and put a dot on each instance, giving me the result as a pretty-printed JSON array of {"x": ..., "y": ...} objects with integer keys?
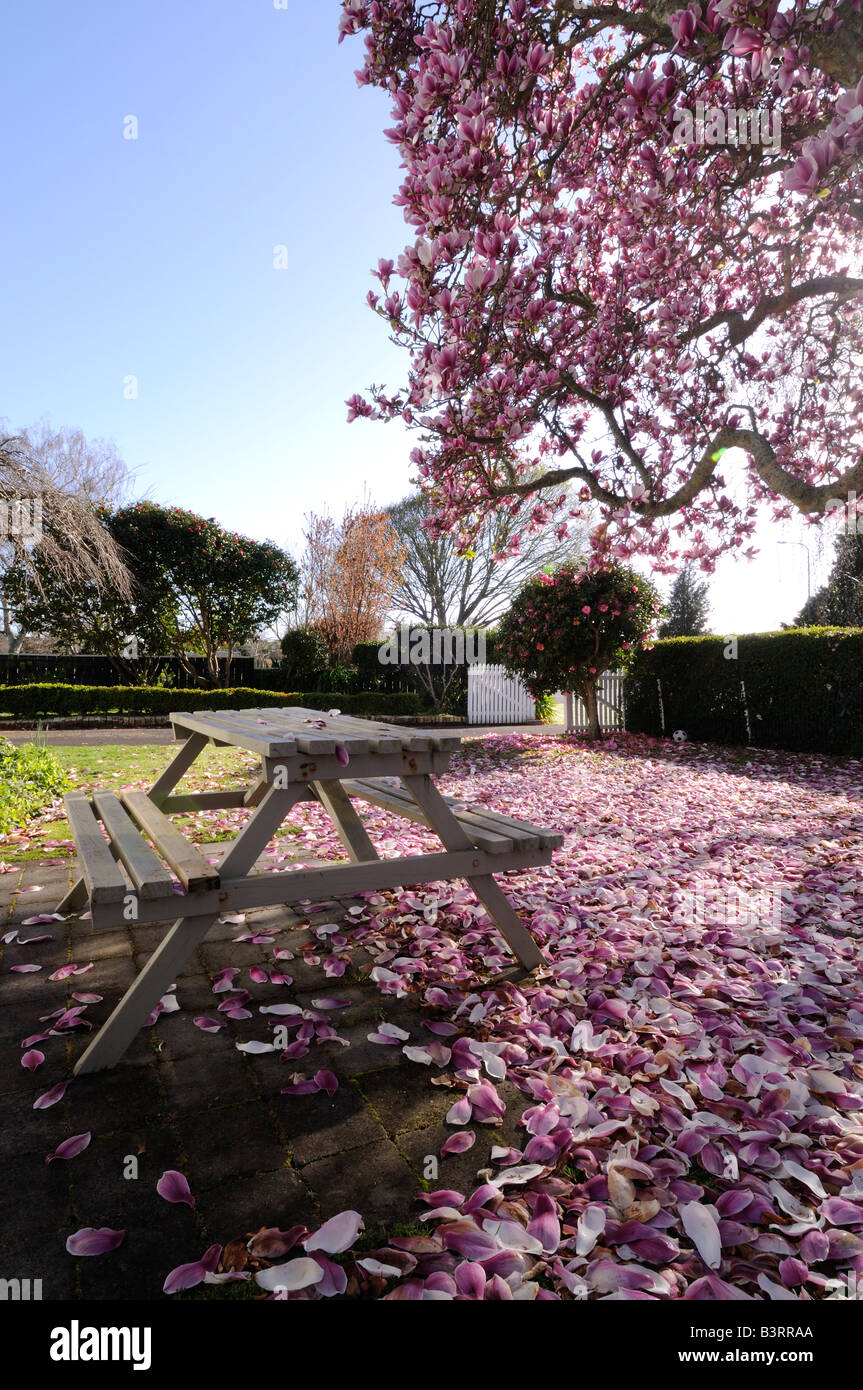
[{"x": 291, "y": 730}]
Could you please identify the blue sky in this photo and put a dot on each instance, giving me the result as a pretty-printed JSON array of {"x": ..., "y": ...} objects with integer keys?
[{"x": 153, "y": 258}]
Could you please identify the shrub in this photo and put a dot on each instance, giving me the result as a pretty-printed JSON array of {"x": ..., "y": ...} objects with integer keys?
[
  {"x": 802, "y": 689},
  {"x": 566, "y": 628},
  {"x": 546, "y": 709},
  {"x": 370, "y": 669},
  {"x": 30, "y": 778},
  {"x": 36, "y": 701},
  {"x": 339, "y": 680},
  {"x": 305, "y": 656}
]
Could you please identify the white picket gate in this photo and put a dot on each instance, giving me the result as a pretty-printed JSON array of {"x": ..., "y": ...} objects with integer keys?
[
  {"x": 496, "y": 697},
  {"x": 609, "y": 699}
]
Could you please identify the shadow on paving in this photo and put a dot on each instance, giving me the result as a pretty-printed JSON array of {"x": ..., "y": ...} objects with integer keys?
[{"x": 186, "y": 1099}]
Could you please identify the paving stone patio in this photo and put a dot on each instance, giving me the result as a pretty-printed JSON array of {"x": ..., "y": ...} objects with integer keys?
[{"x": 187, "y": 1099}]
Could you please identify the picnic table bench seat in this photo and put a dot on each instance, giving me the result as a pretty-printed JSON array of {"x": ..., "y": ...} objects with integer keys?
[
  {"x": 489, "y": 830},
  {"x": 136, "y": 866},
  {"x": 130, "y": 821}
]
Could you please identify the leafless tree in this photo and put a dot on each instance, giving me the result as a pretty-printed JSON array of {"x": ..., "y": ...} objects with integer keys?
[
  {"x": 441, "y": 587},
  {"x": 348, "y": 573},
  {"x": 51, "y": 482}
]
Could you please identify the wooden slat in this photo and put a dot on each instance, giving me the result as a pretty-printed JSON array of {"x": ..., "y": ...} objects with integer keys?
[
  {"x": 257, "y": 722},
  {"x": 256, "y": 793},
  {"x": 188, "y": 802},
  {"x": 221, "y": 730},
  {"x": 329, "y": 769},
  {"x": 401, "y": 803},
  {"x": 455, "y": 837},
  {"x": 240, "y": 728},
  {"x": 178, "y": 766},
  {"x": 446, "y": 743},
  {"x": 413, "y": 739},
  {"x": 334, "y": 798},
  {"x": 354, "y": 739},
  {"x": 180, "y": 731},
  {"x": 319, "y": 883},
  {"x": 379, "y": 739},
  {"x": 146, "y": 871},
  {"x": 104, "y": 881},
  {"x": 549, "y": 839},
  {"x": 306, "y": 740},
  {"x": 188, "y": 863},
  {"x": 475, "y": 815}
]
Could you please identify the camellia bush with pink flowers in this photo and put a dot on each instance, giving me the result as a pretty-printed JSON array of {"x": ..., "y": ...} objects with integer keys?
[
  {"x": 615, "y": 278},
  {"x": 564, "y": 629}
]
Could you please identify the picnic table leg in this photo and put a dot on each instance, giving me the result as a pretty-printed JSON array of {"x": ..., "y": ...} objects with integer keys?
[
  {"x": 181, "y": 939},
  {"x": 454, "y": 836},
  {"x": 76, "y": 899},
  {"x": 177, "y": 767},
  {"x": 352, "y": 832}
]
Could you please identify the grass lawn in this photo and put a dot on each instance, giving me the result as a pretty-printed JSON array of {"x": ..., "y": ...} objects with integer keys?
[{"x": 94, "y": 767}]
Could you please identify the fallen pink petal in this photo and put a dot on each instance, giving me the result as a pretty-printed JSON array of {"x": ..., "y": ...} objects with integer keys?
[
  {"x": 49, "y": 1098},
  {"x": 64, "y": 972},
  {"x": 174, "y": 1187},
  {"x": 94, "y": 1241},
  {"x": 189, "y": 1275},
  {"x": 336, "y": 1235},
  {"x": 71, "y": 1147},
  {"x": 458, "y": 1143}
]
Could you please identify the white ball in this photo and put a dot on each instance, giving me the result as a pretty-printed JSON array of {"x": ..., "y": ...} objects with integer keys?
[{"x": 679, "y": 736}]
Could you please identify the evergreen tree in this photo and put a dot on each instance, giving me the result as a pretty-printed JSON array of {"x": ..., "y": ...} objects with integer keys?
[
  {"x": 840, "y": 602},
  {"x": 688, "y": 606}
]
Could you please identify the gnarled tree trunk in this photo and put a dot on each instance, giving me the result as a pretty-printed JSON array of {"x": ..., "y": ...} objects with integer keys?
[{"x": 591, "y": 704}]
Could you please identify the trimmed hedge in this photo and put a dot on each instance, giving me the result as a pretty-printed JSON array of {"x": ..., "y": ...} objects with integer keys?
[
  {"x": 34, "y": 701},
  {"x": 803, "y": 689}
]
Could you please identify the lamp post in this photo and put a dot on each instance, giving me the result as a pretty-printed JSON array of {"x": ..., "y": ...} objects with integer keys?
[{"x": 808, "y": 565}]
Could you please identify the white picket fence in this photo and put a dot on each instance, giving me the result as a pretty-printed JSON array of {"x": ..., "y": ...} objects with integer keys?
[
  {"x": 496, "y": 697},
  {"x": 609, "y": 698}
]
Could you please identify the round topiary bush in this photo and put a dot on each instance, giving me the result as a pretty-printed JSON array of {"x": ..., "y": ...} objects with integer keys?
[{"x": 566, "y": 628}]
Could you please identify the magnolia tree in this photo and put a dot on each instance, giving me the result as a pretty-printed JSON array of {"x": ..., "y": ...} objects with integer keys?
[
  {"x": 637, "y": 246},
  {"x": 565, "y": 629}
]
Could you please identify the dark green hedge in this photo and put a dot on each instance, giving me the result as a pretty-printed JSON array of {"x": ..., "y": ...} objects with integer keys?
[
  {"x": 36, "y": 701},
  {"x": 803, "y": 689}
]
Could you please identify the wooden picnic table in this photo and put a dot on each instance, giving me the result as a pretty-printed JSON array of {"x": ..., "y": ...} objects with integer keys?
[{"x": 133, "y": 871}]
